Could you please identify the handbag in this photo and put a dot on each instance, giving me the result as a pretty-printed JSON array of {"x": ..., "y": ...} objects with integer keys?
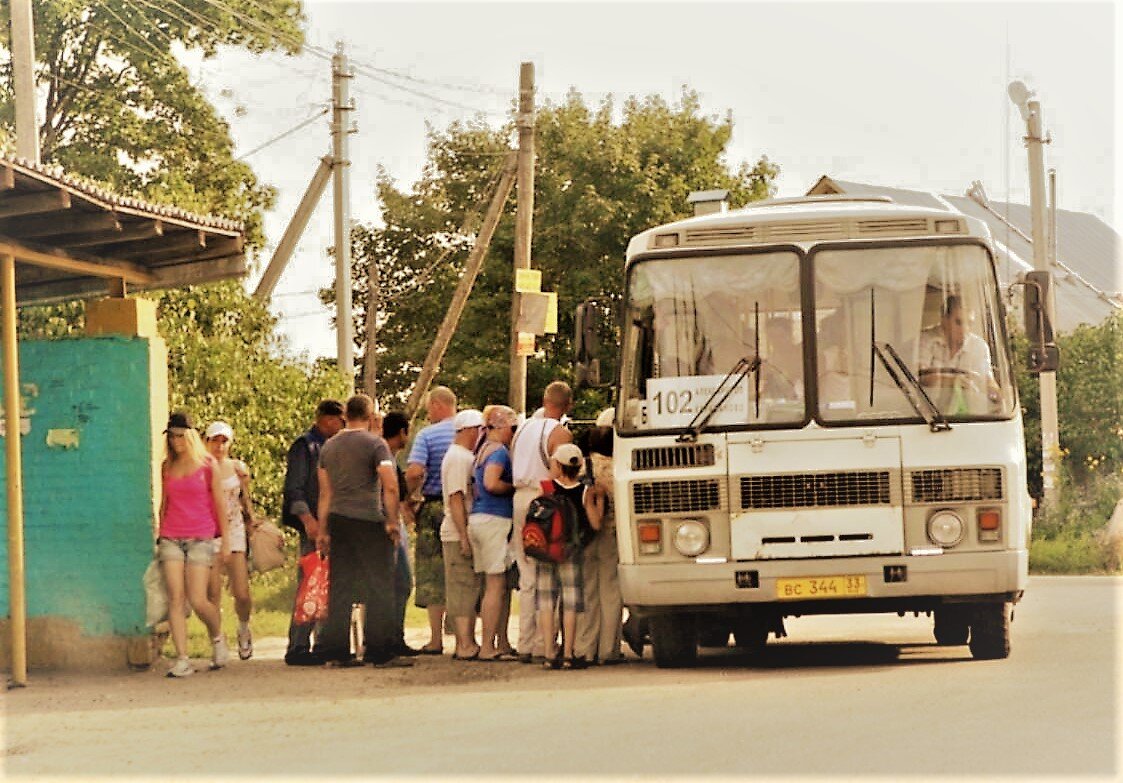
[
  {"x": 312, "y": 595},
  {"x": 267, "y": 548},
  {"x": 155, "y": 595}
]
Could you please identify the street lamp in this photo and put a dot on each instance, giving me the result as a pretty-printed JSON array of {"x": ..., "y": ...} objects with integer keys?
[{"x": 1030, "y": 109}]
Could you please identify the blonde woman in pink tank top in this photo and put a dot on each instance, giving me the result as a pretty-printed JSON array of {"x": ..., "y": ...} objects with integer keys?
[{"x": 192, "y": 516}]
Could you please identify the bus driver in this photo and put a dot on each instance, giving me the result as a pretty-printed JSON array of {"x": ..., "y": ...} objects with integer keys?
[{"x": 950, "y": 356}]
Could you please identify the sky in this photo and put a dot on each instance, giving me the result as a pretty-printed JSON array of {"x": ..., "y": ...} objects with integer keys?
[{"x": 905, "y": 94}]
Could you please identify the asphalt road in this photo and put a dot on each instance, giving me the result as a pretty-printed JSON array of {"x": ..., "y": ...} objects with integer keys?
[{"x": 840, "y": 697}]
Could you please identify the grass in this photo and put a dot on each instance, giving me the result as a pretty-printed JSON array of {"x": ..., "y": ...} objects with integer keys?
[{"x": 1069, "y": 539}]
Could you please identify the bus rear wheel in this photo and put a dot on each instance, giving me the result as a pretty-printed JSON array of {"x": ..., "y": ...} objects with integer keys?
[
  {"x": 674, "y": 640},
  {"x": 951, "y": 626},
  {"x": 990, "y": 631},
  {"x": 751, "y": 634}
]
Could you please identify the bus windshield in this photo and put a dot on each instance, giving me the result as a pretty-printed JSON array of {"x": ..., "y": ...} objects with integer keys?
[
  {"x": 691, "y": 320},
  {"x": 935, "y": 307}
]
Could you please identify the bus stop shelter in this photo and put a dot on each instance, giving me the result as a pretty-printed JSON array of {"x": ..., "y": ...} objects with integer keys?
[{"x": 62, "y": 238}]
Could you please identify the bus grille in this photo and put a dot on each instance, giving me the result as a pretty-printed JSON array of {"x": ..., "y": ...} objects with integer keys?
[
  {"x": 672, "y": 497},
  {"x": 816, "y": 490},
  {"x": 951, "y": 485},
  {"x": 690, "y": 456}
]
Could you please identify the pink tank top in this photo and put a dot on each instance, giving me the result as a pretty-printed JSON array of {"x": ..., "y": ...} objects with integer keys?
[{"x": 188, "y": 506}]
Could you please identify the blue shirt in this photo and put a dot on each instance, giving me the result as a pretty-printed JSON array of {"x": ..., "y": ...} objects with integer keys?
[
  {"x": 485, "y": 502},
  {"x": 429, "y": 451}
]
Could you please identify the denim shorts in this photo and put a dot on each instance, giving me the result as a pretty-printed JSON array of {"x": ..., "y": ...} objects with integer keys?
[{"x": 196, "y": 551}]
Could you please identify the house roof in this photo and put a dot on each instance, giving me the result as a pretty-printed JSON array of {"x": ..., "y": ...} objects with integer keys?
[
  {"x": 70, "y": 237},
  {"x": 1089, "y": 252}
]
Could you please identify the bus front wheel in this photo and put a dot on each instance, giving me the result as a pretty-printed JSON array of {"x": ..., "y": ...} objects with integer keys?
[
  {"x": 951, "y": 625},
  {"x": 674, "y": 639},
  {"x": 990, "y": 631}
]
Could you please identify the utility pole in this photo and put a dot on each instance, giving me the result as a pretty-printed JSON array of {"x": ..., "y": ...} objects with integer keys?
[
  {"x": 464, "y": 287},
  {"x": 294, "y": 231},
  {"x": 341, "y": 106},
  {"x": 524, "y": 224},
  {"x": 1035, "y": 141},
  {"x": 23, "y": 67}
]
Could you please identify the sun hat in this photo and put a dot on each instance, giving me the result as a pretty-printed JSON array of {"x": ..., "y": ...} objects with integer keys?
[
  {"x": 606, "y": 417},
  {"x": 468, "y": 418},
  {"x": 568, "y": 454},
  {"x": 220, "y": 428}
]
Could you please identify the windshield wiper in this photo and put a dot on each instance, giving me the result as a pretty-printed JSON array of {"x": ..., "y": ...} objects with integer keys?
[
  {"x": 913, "y": 391},
  {"x": 743, "y": 367}
]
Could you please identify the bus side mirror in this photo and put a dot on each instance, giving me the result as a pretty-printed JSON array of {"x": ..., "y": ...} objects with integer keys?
[
  {"x": 586, "y": 365},
  {"x": 1043, "y": 354}
]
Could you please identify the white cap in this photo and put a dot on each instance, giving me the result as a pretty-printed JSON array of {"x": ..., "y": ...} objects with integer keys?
[
  {"x": 219, "y": 428},
  {"x": 468, "y": 418},
  {"x": 606, "y": 417},
  {"x": 568, "y": 454}
]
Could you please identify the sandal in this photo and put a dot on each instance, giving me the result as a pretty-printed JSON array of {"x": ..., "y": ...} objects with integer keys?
[{"x": 552, "y": 663}]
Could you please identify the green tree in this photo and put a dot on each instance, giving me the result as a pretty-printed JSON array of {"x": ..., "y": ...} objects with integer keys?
[
  {"x": 603, "y": 174},
  {"x": 121, "y": 110}
]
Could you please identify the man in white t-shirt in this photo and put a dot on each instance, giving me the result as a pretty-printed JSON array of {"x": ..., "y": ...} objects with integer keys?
[
  {"x": 462, "y": 583},
  {"x": 535, "y": 441},
  {"x": 953, "y": 357}
]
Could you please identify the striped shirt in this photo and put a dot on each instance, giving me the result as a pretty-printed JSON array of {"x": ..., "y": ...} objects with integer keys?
[{"x": 429, "y": 451}]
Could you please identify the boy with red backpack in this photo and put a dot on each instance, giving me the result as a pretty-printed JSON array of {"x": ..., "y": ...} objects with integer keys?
[{"x": 577, "y": 510}]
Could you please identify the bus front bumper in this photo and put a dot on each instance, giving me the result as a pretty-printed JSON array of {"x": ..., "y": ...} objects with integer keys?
[{"x": 923, "y": 582}]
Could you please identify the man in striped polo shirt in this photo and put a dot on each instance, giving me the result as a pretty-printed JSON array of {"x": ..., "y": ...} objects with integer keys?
[{"x": 424, "y": 471}]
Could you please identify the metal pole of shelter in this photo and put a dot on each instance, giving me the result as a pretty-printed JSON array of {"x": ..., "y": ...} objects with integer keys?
[{"x": 17, "y": 599}]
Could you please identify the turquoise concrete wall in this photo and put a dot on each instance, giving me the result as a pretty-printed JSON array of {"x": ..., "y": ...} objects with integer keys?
[{"x": 87, "y": 504}]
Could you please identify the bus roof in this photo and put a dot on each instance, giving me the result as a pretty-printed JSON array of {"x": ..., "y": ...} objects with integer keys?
[{"x": 806, "y": 220}]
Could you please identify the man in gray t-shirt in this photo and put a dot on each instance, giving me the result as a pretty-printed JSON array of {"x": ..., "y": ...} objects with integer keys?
[{"x": 359, "y": 500}]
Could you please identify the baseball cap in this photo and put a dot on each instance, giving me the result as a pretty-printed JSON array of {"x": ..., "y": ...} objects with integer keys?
[
  {"x": 180, "y": 420},
  {"x": 568, "y": 454},
  {"x": 219, "y": 428},
  {"x": 468, "y": 418}
]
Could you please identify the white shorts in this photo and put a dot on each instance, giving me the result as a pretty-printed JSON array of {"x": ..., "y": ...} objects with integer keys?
[{"x": 488, "y": 535}]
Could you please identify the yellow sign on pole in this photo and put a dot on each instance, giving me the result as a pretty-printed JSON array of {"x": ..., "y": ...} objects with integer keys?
[
  {"x": 551, "y": 313},
  {"x": 528, "y": 281},
  {"x": 525, "y": 344}
]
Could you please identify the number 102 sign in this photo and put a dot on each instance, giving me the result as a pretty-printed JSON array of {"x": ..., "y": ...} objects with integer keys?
[{"x": 673, "y": 402}]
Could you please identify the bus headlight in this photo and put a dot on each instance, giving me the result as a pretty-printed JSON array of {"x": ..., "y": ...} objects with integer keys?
[
  {"x": 692, "y": 538},
  {"x": 945, "y": 528}
]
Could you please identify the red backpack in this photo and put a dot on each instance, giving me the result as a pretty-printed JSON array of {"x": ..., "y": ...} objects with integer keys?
[{"x": 551, "y": 532}]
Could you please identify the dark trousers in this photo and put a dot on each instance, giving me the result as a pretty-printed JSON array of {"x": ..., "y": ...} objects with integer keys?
[
  {"x": 300, "y": 636},
  {"x": 403, "y": 585},
  {"x": 362, "y": 567}
]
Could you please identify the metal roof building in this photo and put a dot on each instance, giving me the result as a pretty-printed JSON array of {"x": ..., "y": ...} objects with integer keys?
[{"x": 1089, "y": 267}]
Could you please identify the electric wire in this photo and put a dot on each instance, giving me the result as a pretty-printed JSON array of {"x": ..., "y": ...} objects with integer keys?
[{"x": 285, "y": 134}]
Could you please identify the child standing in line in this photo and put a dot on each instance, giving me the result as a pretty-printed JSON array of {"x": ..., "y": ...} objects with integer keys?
[{"x": 563, "y": 581}]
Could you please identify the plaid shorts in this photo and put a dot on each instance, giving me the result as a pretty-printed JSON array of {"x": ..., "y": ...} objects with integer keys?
[{"x": 560, "y": 579}]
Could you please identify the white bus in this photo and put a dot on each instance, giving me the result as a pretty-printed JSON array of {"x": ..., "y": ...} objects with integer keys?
[{"x": 816, "y": 414}]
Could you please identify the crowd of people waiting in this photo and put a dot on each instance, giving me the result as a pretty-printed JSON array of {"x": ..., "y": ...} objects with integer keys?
[{"x": 469, "y": 479}]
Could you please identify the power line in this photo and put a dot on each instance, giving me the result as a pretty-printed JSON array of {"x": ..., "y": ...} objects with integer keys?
[{"x": 285, "y": 134}]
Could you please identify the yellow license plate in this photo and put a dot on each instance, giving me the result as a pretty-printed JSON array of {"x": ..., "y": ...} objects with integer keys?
[{"x": 821, "y": 587}]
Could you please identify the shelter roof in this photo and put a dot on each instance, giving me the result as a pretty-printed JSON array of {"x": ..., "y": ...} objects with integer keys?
[{"x": 70, "y": 238}]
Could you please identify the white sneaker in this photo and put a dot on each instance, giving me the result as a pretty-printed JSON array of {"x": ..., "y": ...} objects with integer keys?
[
  {"x": 245, "y": 643},
  {"x": 182, "y": 668},
  {"x": 221, "y": 655}
]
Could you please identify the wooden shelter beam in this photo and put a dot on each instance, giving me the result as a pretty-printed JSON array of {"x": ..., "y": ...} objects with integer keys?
[
  {"x": 34, "y": 203},
  {"x": 68, "y": 262},
  {"x": 149, "y": 229},
  {"x": 53, "y": 225}
]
